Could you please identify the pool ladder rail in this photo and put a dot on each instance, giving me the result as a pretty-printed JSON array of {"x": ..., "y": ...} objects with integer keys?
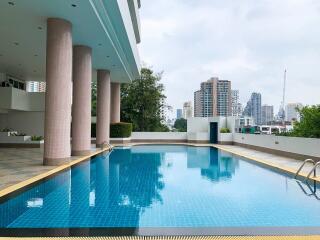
[
  {"x": 105, "y": 143},
  {"x": 313, "y": 170}
]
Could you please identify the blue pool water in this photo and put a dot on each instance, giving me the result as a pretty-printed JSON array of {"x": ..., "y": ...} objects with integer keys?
[{"x": 163, "y": 186}]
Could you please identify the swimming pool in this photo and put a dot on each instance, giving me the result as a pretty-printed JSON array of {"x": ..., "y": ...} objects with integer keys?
[{"x": 166, "y": 190}]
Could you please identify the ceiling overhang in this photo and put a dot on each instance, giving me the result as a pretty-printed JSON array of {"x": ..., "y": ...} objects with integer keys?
[{"x": 102, "y": 25}]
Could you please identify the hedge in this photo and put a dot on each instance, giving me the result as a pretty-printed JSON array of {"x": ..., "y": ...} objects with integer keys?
[
  {"x": 224, "y": 130},
  {"x": 117, "y": 130},
  {"x": 120, "y": 130}
]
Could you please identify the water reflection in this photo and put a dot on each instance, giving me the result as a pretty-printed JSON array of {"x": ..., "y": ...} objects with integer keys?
[
  {"x": 111, "y": 190},
  {"x": 214, "y": 164}
]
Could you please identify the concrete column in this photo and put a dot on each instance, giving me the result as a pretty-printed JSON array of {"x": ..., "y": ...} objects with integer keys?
[
  {"x": 115, "y": 103},
  {"x": 103, "y": 107},
  {"x": 58, "y": 92},
  {"x": 81, "y": 104}
]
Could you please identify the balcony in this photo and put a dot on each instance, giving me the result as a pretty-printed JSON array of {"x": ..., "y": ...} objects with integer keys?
[{"x": 20, "y": 100}]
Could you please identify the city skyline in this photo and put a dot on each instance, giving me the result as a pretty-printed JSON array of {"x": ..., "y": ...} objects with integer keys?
[{"x": 252, "y": 63}]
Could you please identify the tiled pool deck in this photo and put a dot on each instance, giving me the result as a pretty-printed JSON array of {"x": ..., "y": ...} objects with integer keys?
[
  {"x": 283, "y": 162},
  {"x": 20, "y": 164}
]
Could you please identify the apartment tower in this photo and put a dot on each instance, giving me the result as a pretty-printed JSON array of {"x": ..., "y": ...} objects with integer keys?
[{"x": 213, "y": 98}]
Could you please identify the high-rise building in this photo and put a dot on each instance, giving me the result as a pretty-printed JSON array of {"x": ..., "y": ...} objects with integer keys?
[
  {"x": 33, "y": 86},
  {"x": 292, "y": 113},
  {"x": 179, "y": 113},
  {"x": 198, "y": 104},
  {"x": 187, "y": 110},
  {"x": 266, "y": 114},
  {"x": 213, "y": 98},
  {"x": 253, "y": 108},
  {"x": 256, "y": 107},
  {"x": 42, "y": 86},
  {"x": 236, "y": 105}
]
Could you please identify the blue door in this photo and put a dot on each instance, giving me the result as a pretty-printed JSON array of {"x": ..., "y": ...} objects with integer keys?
[{"x": 213, "y": 132}]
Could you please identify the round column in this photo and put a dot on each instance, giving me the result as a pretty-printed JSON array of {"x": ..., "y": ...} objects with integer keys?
[
  {"x": 115, "y": 103},
  {"x": 103, "y": 107},
  {"x": 81, "y": 105},
  {"x": 58, "y": 92}
]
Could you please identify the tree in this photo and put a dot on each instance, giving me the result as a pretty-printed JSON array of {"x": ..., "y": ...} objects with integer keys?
[
  {"x": 142, "y": 102},
  {"x": 180, "y": 125},
  {"x": 93, "y": 99},
  {"x": 309, "y": 125}
]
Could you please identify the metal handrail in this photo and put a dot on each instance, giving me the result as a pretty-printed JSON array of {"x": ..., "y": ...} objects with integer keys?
[
  {"x": 304, "y": 163},
  {"x": 313, "y": 192},
  {"x": 106, "y": 143},
  {"x": 313, "y": 170}
]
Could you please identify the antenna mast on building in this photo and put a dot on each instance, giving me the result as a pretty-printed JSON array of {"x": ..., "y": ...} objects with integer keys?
[{"x": 283, "y": 96}]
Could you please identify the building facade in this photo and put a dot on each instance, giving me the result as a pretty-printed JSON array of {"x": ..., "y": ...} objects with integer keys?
[
  {"x": 33, "y": 86},
  {"x": 253, "y": 108},
  {"x": 198, "y": 104},
  {"x": 236, "y": 105},
  {"x": 187, "y": 110},
  {"x": 213, "y": 98},
  {"x": 179, "y": 113},
  {"x": 291, "y": 111},
  {"x": 267, "y": 114}
]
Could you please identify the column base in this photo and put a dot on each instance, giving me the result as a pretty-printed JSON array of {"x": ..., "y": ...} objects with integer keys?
[
  {"x": 80, "y": 152},
  {"x": 101, "y": 145},
  {"x": 56, "y": 161}
]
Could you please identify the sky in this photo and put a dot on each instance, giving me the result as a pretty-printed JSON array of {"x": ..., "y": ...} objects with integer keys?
[{"x": 249, "y": 42}]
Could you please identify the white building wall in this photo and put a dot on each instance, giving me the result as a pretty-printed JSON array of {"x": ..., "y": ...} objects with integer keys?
[
  {"x": 30, "y": 123},
  {"x": 140, "y": 136},
  {"x": 298, "y": 145}
]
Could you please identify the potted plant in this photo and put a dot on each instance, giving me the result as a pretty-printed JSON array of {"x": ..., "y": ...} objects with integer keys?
[
  {"x": 6, "y": 132},
  {"x": 18, "y": 138}
]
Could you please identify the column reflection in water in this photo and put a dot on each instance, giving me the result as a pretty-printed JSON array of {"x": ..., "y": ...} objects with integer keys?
[
  {"x": 38, "y": 203},
  {"x": 80, "y": 195},
  {"x": 100, "y": 190}
]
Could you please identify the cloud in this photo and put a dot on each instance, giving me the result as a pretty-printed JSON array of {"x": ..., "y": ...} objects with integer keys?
[{"x": 248, "y": 42}]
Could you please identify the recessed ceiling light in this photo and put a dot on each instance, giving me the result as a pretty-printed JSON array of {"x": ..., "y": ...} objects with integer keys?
[
  {"x": 11, "y": 3},
  {"x": 73, "y": 5},
  {"x": 16, "y": 43}
]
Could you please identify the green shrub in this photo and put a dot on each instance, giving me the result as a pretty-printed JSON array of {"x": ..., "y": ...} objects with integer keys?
[
  {"x": 7, "y": 130},
  {"x": 120, "y": 130},
  {"x": 93, "y": 130},
  {"x": 36, "y": 138},
  {"x": 224, "y": 130}
]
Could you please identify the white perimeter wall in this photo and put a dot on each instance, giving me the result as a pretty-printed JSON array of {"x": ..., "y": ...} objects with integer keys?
[
  {"x": 30, "y": 123},
  {"x": 304, "y": 146},
  {"x": 182, "y": 136}
]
